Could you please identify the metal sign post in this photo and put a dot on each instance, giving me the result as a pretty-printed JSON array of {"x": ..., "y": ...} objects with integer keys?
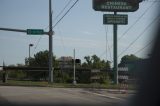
[{"x": 114, "y": 19}]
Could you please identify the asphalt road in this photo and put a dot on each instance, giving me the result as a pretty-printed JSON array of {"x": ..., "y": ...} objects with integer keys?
[{"x": 11, "y": 95}]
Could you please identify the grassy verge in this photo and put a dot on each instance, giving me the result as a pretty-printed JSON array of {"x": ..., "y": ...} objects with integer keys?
[{"x": 60, "y": 85}]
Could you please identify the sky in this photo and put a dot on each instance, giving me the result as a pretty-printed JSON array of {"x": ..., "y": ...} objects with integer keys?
[{"x": 82, "y": 28}]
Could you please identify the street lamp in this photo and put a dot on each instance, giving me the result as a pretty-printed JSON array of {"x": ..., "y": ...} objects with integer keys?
[{"x": 30, "y": 45}]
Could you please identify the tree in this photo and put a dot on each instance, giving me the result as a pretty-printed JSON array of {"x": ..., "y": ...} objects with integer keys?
[
  {"x": 88, "y": 62},
  {"x": 95, "y": 62},
  {"x": 127, "y": 59},
  {"x": 17, "y": 74},
  {"x": 40, "y": 59}
]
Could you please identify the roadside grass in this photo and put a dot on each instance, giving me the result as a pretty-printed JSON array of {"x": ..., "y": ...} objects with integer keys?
[{"x": 61, "y": 85}]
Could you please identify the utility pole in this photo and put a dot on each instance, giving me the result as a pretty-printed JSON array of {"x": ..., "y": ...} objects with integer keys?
[
  {"x": 50, "y": 34},
  {"x": 115, "y": 27}
]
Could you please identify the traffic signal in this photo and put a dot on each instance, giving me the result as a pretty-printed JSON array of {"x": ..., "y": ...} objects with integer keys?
[{"x": 77, "y": 61}]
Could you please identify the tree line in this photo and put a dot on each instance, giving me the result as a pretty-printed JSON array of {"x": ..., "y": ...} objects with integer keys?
[{"x": 83, "y": 75}]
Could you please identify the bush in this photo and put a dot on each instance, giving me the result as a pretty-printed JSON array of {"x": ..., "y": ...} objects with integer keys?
[
  {"x": 104, "y": 78},
  {"x": 17, "y": 74}
]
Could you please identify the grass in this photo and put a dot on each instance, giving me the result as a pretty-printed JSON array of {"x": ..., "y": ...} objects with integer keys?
[{"x": 60, "y": 85}]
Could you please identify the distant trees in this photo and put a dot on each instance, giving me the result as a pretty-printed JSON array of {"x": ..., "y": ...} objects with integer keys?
[
  {"x": 40, "y": 59},
  {"x": 94, "y": 62}
]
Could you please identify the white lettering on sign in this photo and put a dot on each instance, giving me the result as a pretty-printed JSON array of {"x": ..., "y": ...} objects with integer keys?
[
  {"x": 116, "y": 7},
  {"x": 116, "y": 20},
  {"x": 116, "y": 3}
]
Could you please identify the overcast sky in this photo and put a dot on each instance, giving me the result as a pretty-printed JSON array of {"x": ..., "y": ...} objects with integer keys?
[{"x": 82, "y": 28}]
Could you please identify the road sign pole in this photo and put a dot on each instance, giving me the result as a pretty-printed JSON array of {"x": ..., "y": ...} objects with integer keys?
[
  {"x": 115, "y": 27},
  {"x": 50, "y": 44}
]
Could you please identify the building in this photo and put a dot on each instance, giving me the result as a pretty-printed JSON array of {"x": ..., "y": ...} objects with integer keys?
[{"x": 65, "y": 62}]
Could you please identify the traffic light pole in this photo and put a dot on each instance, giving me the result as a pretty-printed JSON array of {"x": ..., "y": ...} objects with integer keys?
[
  {"x": 50, "y": 34},
  {"x": 115, "y": 68}
]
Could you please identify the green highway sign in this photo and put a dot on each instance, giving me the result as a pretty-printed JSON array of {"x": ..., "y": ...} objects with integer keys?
[
  {"x": 115, "y": 19},
  {"x": 116, "y": 5},
  {"x": 35, "y": 31}
]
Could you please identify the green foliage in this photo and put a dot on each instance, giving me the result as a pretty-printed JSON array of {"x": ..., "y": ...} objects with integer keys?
[
  {"x": 17, "y": 74},
  {"x": 104, "y": 78},
  {"x": 58, "y": 76},
  {"x": 127, "y": 59},
  {"x": 94, "y": 62},
  {"x": 83, "y": 76},
  {"x": 66, "y": 78},
  {"x": 40, "y": 59},
  {"x": 1, "y": 75}
]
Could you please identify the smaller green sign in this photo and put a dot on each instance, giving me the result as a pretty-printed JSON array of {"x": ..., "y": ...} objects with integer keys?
[
  {"x": 35, "y": 31},
  {"x": 115, "y": 19}
]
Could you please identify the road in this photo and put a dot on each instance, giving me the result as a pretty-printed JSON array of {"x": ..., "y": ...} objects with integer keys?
[{"x": 58, "y": 96}]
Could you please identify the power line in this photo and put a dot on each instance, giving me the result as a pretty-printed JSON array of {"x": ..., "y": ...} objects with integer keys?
[
  {"x": 38, "y": 41},
  {"x": 107, "y": 45},
  {"x": 56, "y": 23},
  {"x": 63, "y": 9},
  {"x": 133, "y": 24},
  {"x": 139, "y": 35},
  {"x": 37, "y": 44},
  {"x": 66, "y": 13},
  {"x": 136, "y": 21},
  {"x": 62, "y": 41},
  {"x": 148, "y": 44}
]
